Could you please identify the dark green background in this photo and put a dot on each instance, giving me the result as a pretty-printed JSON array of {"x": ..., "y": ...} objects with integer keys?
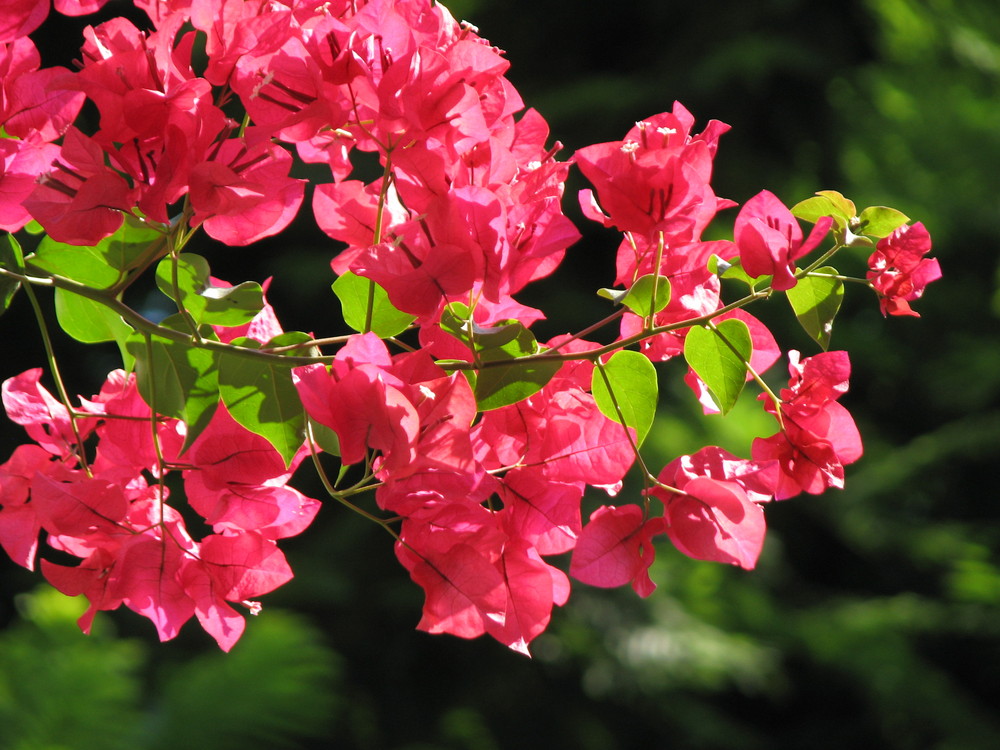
[{"x": 872, "y": 619}]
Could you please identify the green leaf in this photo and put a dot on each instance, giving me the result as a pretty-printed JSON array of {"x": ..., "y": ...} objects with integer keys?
[
  {"x": 718, "y": 358},
  {"x": 509, "y": 374},
  {"x": 844, "y": 213},
  {"x": 519, "y": 377},
  {"x": 325, "y": 438},
  {"x": 615, "y": 295},
  {"x": 99, "y": 266},
  {"x": 455, "y": 321},
  {"x": 259, "y": 394},
  {"x": 639, "y": 297},
  {"x": 353, "y": 290},
  {"x": 293, "y": 338},
  {"x": 91, "y": 322},
  {"x": 825, "y": 203},
  {"x": 86, "y": 265},
  {"x": 506, "y": 340},
  {"x": 87, "y": 320},
  {"x": 846, "y": 237},
  {"x": 177, "y": 379},
  {"x": 193, "y": 275},
  {"x": 12, "y": 259},
  {"x": 815, "y": 301},
  {"x": 880, "y": 221},
  {"x": 632, "y": 378},
  {"x": 508, "y": 337},
  {"x": 204, "y": 301},
  {"x": 123, "y": 248},
  {"x": 733, "y": 269},
  {"x": 232, "y": 306},
  {"x": 502, "y": 385}
]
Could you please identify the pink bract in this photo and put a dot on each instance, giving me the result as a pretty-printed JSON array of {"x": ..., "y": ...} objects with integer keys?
[
  {"x": 770, "y": 240},
  {"x": 898, "y": 270},
  {"x": 819, "y": 436}
]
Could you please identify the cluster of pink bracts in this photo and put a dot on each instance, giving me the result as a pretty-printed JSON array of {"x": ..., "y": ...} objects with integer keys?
[{"x": 468, "y": 210}]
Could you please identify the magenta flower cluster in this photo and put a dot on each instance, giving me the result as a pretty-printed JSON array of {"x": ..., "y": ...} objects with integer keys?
[{"x": 480, "y": 490}]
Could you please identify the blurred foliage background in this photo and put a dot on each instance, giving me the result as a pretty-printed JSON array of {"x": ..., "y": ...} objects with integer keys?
[{"x": 874, "y": 616}]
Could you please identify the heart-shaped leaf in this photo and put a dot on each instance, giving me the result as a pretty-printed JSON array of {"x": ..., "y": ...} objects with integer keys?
[{"x": 718, "y": 356}]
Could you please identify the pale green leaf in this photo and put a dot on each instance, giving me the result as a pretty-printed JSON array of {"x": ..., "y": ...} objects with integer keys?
[
  {"x": 719, "y": 358},
  {"x": 815, "y": 300},
  {"x": 633, "y": 386},
  {"x": 177, "y": 379},
  {"x": 85, "y": 265},
  {"x": 353, "y": 292},
  {"x": 880, "y": 221},
  {"x": 206, "y": 302},
  {"x": 512, "y": 381},
  {"x": 11, "y": 259},
  {"x": 733, "y": 269},
  {"x": 91, "y": 322},
  {"x": 825, "y": 203},
  {"x": 639, "y": 297},
  {"x": 259, "y": 394},
  {"x": 99, "y": 266},
  {"x": 123, "y": 248}
]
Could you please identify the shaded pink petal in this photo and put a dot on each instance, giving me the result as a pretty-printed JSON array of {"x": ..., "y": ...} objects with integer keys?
[
  {"x": 716, "y": 521},
  {"x": 19, "y": 528},
  {"x": 530, "y": 589},
  {"x": 218, "y": 619},
  {"x": 80, "y": 507},
  {"x": 616, "y": 548},
  {"x": 462, "y": 589},
  {"x": 20, "y": 17},
  {"x": 245, "y": 565},
  {"x": 542, "y": 512},
  {"x": 150, "y": 584}
]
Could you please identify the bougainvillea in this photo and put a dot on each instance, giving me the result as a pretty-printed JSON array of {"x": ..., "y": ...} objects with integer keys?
[{"x": 473, "y": 441}]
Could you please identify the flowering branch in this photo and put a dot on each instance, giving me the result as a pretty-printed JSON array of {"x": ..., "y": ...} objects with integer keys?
[{"x": 474, "y": 440}]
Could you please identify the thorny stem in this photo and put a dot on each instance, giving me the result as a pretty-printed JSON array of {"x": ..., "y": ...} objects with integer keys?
[{"x": 593, "y": 354}]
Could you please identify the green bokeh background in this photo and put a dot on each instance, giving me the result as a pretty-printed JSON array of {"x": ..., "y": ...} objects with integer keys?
[{"x": 873, "y": 619}]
